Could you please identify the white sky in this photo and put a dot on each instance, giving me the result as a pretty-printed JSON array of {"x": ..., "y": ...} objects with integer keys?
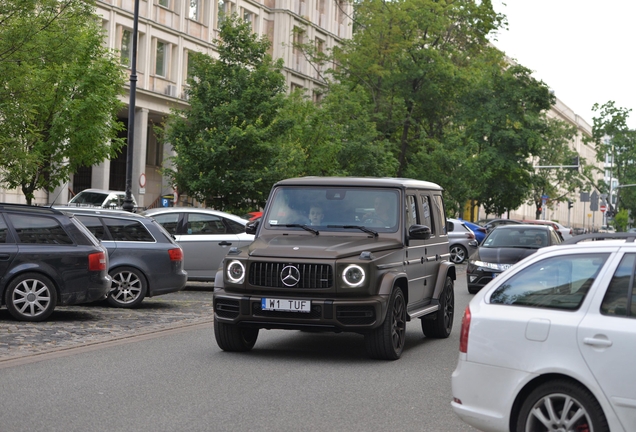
[{"x": 584, "y": 50}]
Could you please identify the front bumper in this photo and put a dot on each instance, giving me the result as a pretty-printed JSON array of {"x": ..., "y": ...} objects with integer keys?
[{"x": 336, "y": 315}]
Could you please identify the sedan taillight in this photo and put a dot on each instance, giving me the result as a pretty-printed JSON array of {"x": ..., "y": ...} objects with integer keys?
[
  {"x": 97, "y": 261},
  {"x": 463, "y": 335},
  {"x": 176, "y": 254}
]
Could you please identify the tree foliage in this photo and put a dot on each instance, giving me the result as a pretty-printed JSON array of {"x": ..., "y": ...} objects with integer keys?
[
  {"x": 59, "y": 91},
  {"x": 224, "y": 143}
]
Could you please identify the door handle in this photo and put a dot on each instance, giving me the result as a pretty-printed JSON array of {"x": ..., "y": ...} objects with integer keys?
[
  {"x": 225, "y": 243},
  {"x": 4, "y": 256},
  {"x": 604, "y": 343}
]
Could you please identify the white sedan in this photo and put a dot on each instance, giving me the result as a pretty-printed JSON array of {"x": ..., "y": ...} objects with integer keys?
[{"x": 550, "y": 344}]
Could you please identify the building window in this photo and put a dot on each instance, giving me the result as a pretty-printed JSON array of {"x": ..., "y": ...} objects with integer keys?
[
  {"x": 164, "y": 3},
  {"x": 195, "y": 10},
  {"x": 248, "y": 17},
  {"x": 126, "y": 44},
  {"x": 224, "y": 9},
  {"x": 161, "y": 61}
]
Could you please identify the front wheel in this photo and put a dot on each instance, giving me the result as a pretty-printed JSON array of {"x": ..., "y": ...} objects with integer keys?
[
  {"x": 387, "y": 341},
  {"x": 440, "y": 324},
  {"x": 230, "y": 337},
  {"x": 31, "y": 297},
  {"x": 129, "y": 287},
  {"x": 458, "y": 254},
  {"x": 561, "y": 405}
]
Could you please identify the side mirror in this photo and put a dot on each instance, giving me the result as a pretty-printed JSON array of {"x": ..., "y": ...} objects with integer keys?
[
  {"x": 252, "y": 226},
  {"x": 419, "y": 232}
]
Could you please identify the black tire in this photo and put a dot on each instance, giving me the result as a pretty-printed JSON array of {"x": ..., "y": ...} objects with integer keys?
[
  {"x": 559, "y": 393},
  {"x": 230, "y": 337},
  {"x": 129, "y": 287},
  {"x": 458, "y": 253},
  {"x": 473, "y": 289},
  {"x": 31, "y": 297},
  {"x": 387, "y": 341},
  {"x": 441, "y": 324}
]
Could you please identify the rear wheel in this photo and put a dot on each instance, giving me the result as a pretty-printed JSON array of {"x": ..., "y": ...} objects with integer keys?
[
  {"x": 31, "y": 297},
  {"x": 561, "y": 405},
  {"x": 129, "y": 287},
  {"x": 387, "y": 341},
  {"x": 458, "y": 254},
  {"x": 230, "y": 337},
  {"x": 441, "y": 323}
]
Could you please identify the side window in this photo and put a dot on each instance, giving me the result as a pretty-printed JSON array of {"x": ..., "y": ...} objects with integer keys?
[
  {"x": 411, "y": 211},
  {"x": 94, "y": 225},
  {"x": 619, "y": 299},
  {"x": 3, "y": 230},
  {"x": 128, "y": 230},
  {"x": 235, "y": 227},
  {"x": 205, "y": 224},
  {"x": 426, "y": 217},
  {"x": 39, "y": 230},
  {"x": 553, "y": 283},
  {"x": 440, "y": 213},
  {"x": 168, "y": 221},
  {"x": 555, "y": 237}
]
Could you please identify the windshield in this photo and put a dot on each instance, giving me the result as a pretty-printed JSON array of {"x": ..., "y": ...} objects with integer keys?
[
  {"x": 516, "y": 238},
  {"x": 89, "y": 198},
  {"x": 334, "y": 209}
]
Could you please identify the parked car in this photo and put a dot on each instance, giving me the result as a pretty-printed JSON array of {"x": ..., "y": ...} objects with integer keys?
[
  {"x": 461, "y": 240},
  {"x": 479, "y": 231},
  {"x": 548, "y": 345},
  {"x": 503, "y": 247},
  {"x": 493, "y": 223},
  {"x": 252, "y": 216},
  {"x": 341, "y": 254},
  {"x": 607, "y": 229},
  {"x": 205, "y": 236},
  {"x": 145, "y": 260},
  {"x": 48, "y": 259},
  {"x": 100, "y": 198},
  {"x": 557, "y": 227}
]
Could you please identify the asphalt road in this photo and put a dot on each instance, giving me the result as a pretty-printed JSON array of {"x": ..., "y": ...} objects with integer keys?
[{"x": 169, "y": 375}]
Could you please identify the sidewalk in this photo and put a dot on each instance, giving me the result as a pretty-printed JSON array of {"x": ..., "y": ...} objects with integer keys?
[{"x": 82, "y": 325}]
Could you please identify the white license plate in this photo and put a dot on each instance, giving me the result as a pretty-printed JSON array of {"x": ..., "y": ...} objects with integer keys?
[{"x": 286, "y": 305}]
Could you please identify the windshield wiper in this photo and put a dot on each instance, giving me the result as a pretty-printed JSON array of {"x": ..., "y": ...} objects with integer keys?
[
  {"x": 305, "y": 227},
  {"x": 361, "y": 228}
]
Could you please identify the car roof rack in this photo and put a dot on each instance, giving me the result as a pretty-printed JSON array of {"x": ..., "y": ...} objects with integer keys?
[{"x": 628, "y": 237}]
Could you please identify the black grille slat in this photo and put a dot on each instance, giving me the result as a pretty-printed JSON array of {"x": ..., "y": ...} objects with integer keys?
[
  {"x": 227, "y": 308},
  {"x": 264, "y": 274}
]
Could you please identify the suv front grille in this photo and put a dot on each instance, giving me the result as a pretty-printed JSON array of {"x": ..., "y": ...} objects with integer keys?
[{"x": 268, "y": 275}]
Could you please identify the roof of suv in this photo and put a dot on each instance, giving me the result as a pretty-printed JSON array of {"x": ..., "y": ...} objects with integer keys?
[
  {"x": 359, "y": 181},
  {"x": 100, "y": 211}
]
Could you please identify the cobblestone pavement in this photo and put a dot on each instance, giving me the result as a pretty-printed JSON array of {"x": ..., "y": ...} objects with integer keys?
[{"x": 83, "y": 325}]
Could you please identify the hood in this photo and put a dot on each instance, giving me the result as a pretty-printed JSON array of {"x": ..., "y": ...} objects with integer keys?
[
  {"x": 503, "y": 255},
  {"x": 321, "y": 246}
]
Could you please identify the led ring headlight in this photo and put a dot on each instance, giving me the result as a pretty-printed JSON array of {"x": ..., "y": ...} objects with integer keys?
[
  {"x": 236, "y": 272},
  {"x": 353, "y": 275}
]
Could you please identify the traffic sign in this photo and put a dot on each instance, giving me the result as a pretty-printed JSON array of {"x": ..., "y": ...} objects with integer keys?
[{"x": 603, "y": 208}]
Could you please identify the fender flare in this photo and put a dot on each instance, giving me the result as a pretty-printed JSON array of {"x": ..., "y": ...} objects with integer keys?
[{"x": 446, "y": 268}]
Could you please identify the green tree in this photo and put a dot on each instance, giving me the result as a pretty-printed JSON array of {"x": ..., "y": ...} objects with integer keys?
[
  {"x": 224, "y": 144},
  {"x": 59, "y": 91},
  {"x": 612, "y": 137}
]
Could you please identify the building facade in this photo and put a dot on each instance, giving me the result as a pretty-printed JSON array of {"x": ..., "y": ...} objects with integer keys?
[{"x": 168, "y": 30}]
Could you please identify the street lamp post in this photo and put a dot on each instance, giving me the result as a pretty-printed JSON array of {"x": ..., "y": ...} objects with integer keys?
[{"x": 128, "y": 202}]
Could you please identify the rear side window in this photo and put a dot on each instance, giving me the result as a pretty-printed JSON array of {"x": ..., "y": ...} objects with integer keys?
[
  {"x": 3, "y": 230},
  {"x": 554, "y": 283},
  {"x": 94, "y": 225},
  {"x": 36, "y": 229},
  {"x": 127, "y": 230},
  {"x": 168, "y": 221},
  {"x": 620, "y": 299}
]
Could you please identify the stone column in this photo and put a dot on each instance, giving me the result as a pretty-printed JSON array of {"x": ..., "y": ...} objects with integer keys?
[{"x": 139, "y": 156}]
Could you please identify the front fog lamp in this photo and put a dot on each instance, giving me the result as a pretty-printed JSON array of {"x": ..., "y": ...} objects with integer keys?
[
  {"x": 353, "y": 275},
  {"x": 236, "y": 272}
]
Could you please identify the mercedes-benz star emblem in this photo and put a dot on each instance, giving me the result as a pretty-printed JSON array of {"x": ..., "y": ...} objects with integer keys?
[{"x": 290, "y": 276}]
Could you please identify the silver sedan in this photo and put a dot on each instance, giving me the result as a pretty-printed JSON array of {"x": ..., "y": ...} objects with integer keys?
[{"x": 205, "y": 235}]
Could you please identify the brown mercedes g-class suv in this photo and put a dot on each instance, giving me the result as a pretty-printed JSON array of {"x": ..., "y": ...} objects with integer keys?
[{"x": 337, "y": 254}]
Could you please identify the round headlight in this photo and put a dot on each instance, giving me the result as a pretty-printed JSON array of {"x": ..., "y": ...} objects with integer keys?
[
  {"x": 353, "y": 275},
  {"x": 236, "y": 272}
]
